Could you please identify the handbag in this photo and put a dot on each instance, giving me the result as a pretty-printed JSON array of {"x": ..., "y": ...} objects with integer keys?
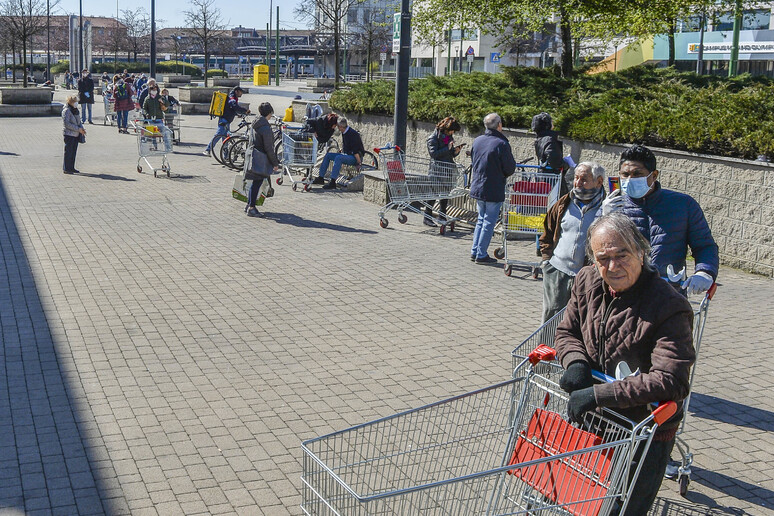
[
  {"x": 81, "y": 138},
  {"x": 260, "y": 164}
]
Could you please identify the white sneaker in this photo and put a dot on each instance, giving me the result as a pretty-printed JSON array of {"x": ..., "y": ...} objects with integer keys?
[{"x": 205, "y": 153}]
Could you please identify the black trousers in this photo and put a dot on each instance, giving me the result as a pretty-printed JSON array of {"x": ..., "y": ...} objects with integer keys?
[
  {"x": 70, "y": 150},
  {"x": 441, "y": 208},
  {"x": 649, "y": 481},
  {"x": 255, "y": 187}
]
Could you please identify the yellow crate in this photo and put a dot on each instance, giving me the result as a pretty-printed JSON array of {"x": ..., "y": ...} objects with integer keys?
[{"x": 520, "y": 222}]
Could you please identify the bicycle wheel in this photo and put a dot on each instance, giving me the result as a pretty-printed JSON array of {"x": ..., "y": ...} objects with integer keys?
[
  {"x": 369, "y": 160},
  {"x": 217, "y": 149},
  {"x": 278, "y": 149},
  {"x": 236, "y": 154}
]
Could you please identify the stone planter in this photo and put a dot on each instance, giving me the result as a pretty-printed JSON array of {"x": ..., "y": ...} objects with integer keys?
[
  {"x": 43, "y": 95},
  {"x": 320, "y": 83},
  {"x": 199, "y": 95},
  {"x": 223, "y": 81},
  {"x": 175, "y": 79}
]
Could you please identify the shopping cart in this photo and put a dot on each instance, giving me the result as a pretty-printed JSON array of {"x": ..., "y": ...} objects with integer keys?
[
  {"x": 528, "y": 195},
  {"x": 500, "y": 450},
  {"x": 153, "y": 139},
  {"x": 299, "y": 153},
  {"x": 110, "y": 108},
  {"x": 172, "y": 119},
  {"x": 415, "y": 183},
  {"x": 546, "y": 333}
]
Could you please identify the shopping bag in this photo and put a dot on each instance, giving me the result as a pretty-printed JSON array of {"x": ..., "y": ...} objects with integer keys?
[{"x": 259, "y": 163}]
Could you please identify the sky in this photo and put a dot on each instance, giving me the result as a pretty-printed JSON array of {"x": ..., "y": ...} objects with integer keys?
[{"x": 248, "y": 13}]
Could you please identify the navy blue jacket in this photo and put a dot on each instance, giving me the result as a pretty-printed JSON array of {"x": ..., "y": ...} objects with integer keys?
[
  {"x": 673, "y": 221},
  {"x": 231, "y": 109},
  {"x": 351, "y": 143},
  {"x": 492, "y": 163}
]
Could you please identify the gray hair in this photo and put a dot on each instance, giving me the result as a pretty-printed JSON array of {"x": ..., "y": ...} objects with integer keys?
[
  {"x": 595, "y": 168},
  {"x": 633, "y": 240},
  {"x": 342, "y": 122},
  {"x": 492, "y": 121}
]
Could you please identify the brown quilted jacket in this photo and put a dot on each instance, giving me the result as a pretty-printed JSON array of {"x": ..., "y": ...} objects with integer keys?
[{"x": 650, "y": 327}]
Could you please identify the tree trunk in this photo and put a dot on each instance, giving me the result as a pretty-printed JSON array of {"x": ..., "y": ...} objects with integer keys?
[
  {"x": 24, "y": 61},
  {"x": 368, "y": 56},
  {"x": 566, "y": 32},
  {"x": 13, "y": 62},
  {"x": 671, "y": 38},
  {"x": 336, "y": 47},
  {"x": 206, "y": 61}
]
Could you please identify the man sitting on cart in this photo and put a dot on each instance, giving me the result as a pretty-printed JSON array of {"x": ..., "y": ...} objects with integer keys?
[
  {"x": 352, "y": 152},
  {"x": 623, "y": 317}
]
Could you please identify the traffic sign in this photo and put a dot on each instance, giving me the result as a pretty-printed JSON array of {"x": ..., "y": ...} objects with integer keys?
[
  {"x": 396, "y": 33},
  {"x": 494, "y": 57},
  {"x": 383, "y": 56},
  {"x": 470, "y": 57},
  {"x": 470, "y": 52}
]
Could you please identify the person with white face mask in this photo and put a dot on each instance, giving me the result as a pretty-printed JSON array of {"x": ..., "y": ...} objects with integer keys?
[
  {"x": 563, "y": 242},
  {"x": 671, "y": 221}
]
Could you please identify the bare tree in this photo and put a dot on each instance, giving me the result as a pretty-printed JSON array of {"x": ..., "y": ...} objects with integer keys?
[
  {"x": 118, "y": 39},
  {"x": 137, "y": 23},
  {"x": 24, "y": 19},
  {"x": 369, "y": 35},
  {"x": 206, "y": 24},
  {"x": 328, "y": 15}
]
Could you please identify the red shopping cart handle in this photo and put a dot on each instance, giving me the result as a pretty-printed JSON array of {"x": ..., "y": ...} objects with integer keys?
[
  {"x": 711, "y": 291},
  {"x": 542, "y": 353}
]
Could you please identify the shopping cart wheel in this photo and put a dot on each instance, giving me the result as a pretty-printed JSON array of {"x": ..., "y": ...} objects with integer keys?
[
  {"x": 402, "y": 218},
  {"x": 451, "y": 226},
  {"x": 307, "y": 187},
  {"x": 507, "y": 269},
  {"x": 442, "y": 229},
  {"x": 139, "y": 169},
  {"x": 295, "y": 186},
  {"x": 383, "y": 223},
  {"x": 499, "y": 253},
  {"x": 535, "y": 272},
  {"x": 684, "y": 481},
  {"x": 154, "y": 173},
  {"x": 279, "y": 180}
]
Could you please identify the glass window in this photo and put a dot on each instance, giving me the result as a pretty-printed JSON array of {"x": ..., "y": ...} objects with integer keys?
[{"x": 755, "y": 19}]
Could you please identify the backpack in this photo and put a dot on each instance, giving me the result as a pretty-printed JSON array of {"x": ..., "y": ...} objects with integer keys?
[{"x": 121, "y": 92}]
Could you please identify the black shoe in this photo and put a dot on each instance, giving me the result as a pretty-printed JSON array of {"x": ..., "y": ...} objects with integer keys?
[
  {"x": 319, "y": 180},
  {"x": 428, "y": 222},
  {"x": 67, "y": 171},
  {"x": 331, "y": 185},
  {"x": 252, "y": 212},
  {"x": 75, "y": 171},
  {"x": 247, "y": 207},
  {"x": 90, "y": 122},
  {"x": 472, "y": 257},
  {"x": 486, "y": 259}
]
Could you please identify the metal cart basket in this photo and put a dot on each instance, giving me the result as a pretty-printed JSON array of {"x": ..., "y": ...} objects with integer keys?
[
  {"x": 299, "y": 153},
  {"x": 153, "y": 139},
  {"x": 110, "y": 108},
  {"x": 500, "y": 450}
]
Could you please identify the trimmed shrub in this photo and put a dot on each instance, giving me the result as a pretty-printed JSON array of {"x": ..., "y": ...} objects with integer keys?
[
  {"x": 135, "y": 67},
  {"x": 216, "y": 72},
  {"x": 660, "y": 107}
]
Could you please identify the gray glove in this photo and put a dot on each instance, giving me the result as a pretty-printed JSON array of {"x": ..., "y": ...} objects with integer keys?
[
  {"x": 698, "y": 283},
  {"x": 613, "y": 202}
]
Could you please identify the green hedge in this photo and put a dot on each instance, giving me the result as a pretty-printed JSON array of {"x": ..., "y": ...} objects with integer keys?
[
  {"x": 135, "y": 67},
  {"x": 661, "y": 107},
  {"x": 216, "y": 72}
]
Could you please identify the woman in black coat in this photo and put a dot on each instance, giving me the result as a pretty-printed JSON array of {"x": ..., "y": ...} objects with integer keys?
[
  {"x": 440, "y": 146},
  {"x": 263, "y": 141}
]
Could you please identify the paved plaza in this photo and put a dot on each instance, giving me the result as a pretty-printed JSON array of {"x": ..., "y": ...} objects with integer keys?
[{"x": 164, "y": 354}]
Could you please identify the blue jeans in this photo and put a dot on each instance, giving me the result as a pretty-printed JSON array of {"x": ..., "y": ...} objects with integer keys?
[
  {"x": 222, "y": 132},
  {"x": 255, "y": 188},
  {"x": 338, "y": 161},
  {"x": 488, "y": 213},
  {"x": 83, "y": 111},
  {"x": 123, "y": 119}
]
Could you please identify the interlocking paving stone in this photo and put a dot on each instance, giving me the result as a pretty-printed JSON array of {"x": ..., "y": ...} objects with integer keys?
[{"x": 164, "y": 354}]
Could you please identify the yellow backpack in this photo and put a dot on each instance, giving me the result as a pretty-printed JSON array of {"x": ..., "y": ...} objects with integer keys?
[{"x": 218, "y": 103}]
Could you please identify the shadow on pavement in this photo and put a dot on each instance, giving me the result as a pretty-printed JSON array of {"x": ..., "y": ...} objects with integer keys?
[
  {"x": 295, "y": 220},
  {"x": 758, "y": 495},
  {"x": 45, "y": 455},
  {"x": 711, "y": 407},
  {"x": 4, "y": 153},
  {"x": 692, "y": 508},
  {"x": 106, "y": 177}
]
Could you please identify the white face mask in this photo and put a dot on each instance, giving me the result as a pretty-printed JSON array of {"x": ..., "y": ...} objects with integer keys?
[{"x": 153, "y": 94}]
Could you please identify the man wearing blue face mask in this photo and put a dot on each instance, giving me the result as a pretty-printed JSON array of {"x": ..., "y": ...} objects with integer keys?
[{"x": 672, "y": 221}]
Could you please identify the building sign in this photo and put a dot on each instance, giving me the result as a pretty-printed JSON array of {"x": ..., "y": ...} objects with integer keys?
[
  {"x": 396, "y": 33},
  {"x": 752, "y": 47}
]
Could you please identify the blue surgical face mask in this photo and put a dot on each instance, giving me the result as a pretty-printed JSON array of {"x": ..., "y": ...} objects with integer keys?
[{"x": 636, "y": 187}]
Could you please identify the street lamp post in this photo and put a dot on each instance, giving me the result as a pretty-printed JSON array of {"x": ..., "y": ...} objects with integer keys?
[
  {"x": 80, "y": 36},
  {"x": 153, "y": 39},
  {"x": 48, "y": 40}
]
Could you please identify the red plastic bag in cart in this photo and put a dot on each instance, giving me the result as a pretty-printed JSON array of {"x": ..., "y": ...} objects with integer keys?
[
  {"x": 531, "y": 193},
  {"x": 574, "y": 481}
]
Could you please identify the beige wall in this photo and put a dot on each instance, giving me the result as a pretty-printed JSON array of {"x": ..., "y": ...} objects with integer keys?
[{"x": 737, "y": 196}]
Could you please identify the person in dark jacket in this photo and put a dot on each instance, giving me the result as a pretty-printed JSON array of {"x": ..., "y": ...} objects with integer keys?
[
  {"x": 86, "y": 94},
  {"x": 563, "y": 242},
  {"x": 153, "y": 107},
  {"x": 440, "y": 146},
  {"x": 72, "y": 131},
  {"x": 323, "y": 128},
  {"x": 143, "y": 88},
  {"x": 263, "y": 140},
  {"x": 671, "y": 221},
  {"x": 623, "y": 317},
  {"x": 492, "y": 163},
  {"x": 549, "y": 149},
  {"x": 122, "y": 93},
  {"x": 352, "y": 152},
  {"x": 230, "y": 110}
]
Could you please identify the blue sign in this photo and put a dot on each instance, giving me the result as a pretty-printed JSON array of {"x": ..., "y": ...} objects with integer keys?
[
  {"x": 470, "y": 52},
  {"x": 494, "y": 57}
]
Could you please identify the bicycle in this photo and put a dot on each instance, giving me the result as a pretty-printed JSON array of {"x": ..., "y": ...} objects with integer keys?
[{"x": 221, "y": 148}]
